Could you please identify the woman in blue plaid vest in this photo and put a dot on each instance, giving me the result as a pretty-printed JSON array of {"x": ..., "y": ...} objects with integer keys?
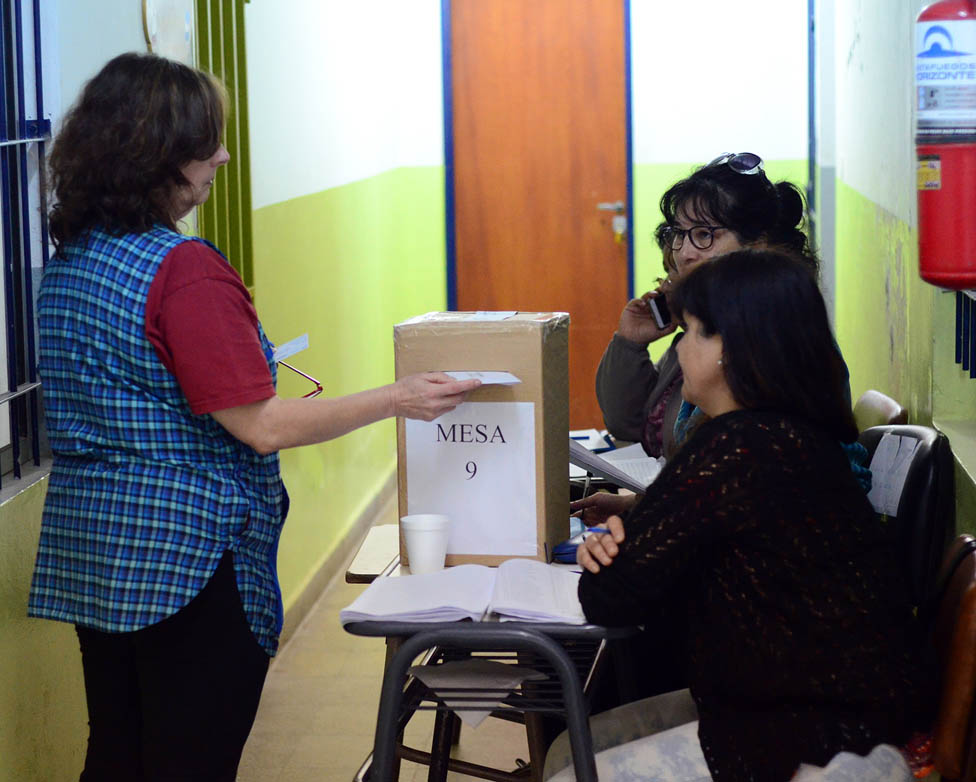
[{"x": 165, "y": 501}]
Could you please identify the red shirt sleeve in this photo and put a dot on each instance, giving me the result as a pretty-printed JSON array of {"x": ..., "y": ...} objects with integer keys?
[{"x": 203, "y": 325}]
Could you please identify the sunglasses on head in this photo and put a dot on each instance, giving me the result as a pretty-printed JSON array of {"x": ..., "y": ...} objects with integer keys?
[{"x": 740, "y": 162}]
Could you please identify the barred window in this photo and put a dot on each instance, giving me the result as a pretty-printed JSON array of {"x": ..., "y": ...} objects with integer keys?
[{"x": 24, "y": 133}]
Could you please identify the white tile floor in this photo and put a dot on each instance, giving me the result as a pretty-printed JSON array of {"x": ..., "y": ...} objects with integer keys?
[{"x": 318, "y": 710}]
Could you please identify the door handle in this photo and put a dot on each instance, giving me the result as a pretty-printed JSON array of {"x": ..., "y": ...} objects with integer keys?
[{"x": 619, "y": 221}]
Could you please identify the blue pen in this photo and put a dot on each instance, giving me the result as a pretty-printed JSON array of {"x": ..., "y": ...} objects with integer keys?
[{"x": 598, "y": 529}]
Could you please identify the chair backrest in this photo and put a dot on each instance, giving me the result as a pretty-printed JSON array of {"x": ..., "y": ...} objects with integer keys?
[
  {"x": 925, "y": 522},
  {"x": 954, "y": 635},
  {"x": 876, "y": 409}
]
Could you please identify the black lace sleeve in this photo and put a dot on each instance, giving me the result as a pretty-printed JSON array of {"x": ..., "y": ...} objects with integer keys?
[{"x": 706, "y": 493}]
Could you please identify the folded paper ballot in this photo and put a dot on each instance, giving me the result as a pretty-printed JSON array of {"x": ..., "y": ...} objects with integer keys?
[
  {"x": 487, "y": 378},
  {"x": 518, "y": 589}
]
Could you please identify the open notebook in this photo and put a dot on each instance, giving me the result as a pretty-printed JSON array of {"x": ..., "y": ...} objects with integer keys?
[{"x": 518, "y": 589}]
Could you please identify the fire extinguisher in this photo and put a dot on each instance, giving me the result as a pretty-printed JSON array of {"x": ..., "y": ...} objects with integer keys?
[{"x": 945, "y": 142}]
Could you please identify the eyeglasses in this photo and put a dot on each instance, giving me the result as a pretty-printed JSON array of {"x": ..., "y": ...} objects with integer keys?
[
  {"x": 701, "y": 236},
  {"x": 318, "y": 385},
  {"x": 741, "y": 162}
]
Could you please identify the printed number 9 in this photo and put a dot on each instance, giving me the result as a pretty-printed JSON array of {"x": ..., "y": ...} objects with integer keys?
[{"x": 471, "y": 469}]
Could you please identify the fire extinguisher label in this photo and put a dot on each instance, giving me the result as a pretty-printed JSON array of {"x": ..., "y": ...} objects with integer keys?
[
  {"x": 929, "y": 172},
  {"x": 945, "y": 77}
]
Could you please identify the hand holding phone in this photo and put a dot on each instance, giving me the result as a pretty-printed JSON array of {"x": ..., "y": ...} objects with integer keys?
[{"x": 659, "y": 309}]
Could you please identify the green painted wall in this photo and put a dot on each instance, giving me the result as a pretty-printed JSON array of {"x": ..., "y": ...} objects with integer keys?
[
  {"x": 43, "y": 717},
  {"x": 898, "y": 333},
  {"x": 344, "y": 266},
  {"x": 884, "y": 310}
]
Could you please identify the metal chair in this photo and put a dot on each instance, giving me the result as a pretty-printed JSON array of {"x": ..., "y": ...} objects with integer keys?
[{"x": 924, "y": 523}]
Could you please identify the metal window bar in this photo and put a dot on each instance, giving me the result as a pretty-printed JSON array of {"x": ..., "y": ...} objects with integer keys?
[
  {"x": 966, "y": 318},
  {"x": 966, "y": 331},
  {"x": 959, "y": 298},
  {"x": 20, "y": 136}
]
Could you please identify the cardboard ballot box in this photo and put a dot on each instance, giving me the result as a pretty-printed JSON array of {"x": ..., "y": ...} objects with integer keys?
[{"x": 498, "y": 464}]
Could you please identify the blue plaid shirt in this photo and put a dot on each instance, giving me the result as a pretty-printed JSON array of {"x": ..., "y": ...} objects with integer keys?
[{"x": 144, "y": 496}]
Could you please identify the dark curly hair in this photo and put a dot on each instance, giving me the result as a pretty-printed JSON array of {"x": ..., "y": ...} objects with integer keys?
[
  {"x": 778, "y": 350},
  {"x": 748, "y": 204},
  {"x": 116, "y": 161}
]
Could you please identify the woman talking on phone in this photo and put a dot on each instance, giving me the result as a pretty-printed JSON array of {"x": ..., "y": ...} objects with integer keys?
[
  {"x": 165, "y": 502},
  {"x": 726, "y": 205},
  {"x": 797, "y": 625}
]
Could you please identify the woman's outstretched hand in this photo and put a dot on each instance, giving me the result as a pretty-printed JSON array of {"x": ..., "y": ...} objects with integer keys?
[
  {"x": 599, "y": 548},
  {"x": 599, "y": 507},
  {"x": 429, "y": 395}
]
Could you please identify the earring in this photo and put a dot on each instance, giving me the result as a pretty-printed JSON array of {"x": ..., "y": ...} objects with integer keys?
[{"x": 719, "y": 361}]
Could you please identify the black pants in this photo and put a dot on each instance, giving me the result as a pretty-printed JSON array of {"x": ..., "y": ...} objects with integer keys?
[{"x": 174, "y": 701}]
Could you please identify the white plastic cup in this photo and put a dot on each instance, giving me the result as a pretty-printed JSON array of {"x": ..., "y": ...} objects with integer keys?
[{"x": 426, "y": 536}]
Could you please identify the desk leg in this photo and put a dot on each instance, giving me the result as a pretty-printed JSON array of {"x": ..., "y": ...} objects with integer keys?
[
  {"x": 440, "y": 749},
  {"x": 535, "y": 735},
  {"x": 392, "y": 644}
]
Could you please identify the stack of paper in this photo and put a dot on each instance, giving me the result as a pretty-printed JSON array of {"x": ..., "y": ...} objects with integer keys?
[{"x": 426, "y": 597}]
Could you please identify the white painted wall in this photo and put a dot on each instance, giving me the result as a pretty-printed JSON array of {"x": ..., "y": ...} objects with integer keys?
[
  {"x": 340, "y": 91},
  {"x": 88, "y": 35},
  {"x": 874, "y": 67},
  {"x": 714, "y": 76},
  {"x": 826, "y": 112}
]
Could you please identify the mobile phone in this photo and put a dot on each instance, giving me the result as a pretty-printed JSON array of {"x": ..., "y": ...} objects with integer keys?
[{"x": 659, "y": 308}]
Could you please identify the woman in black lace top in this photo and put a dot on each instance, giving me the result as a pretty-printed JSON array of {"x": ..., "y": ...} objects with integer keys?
[{"x": 798, "y": 628}]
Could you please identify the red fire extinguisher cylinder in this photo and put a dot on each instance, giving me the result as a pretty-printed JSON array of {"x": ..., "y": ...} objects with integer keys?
[{"x": 945, "y": 91}]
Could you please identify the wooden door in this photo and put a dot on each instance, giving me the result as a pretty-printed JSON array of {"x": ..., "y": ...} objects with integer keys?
[{"x": 539, "y": 112}]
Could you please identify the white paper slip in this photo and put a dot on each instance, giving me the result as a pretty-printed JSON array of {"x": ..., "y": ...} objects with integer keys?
[
  {"x": 486, "y": 377},
  {"x": 290, "y": 348}
]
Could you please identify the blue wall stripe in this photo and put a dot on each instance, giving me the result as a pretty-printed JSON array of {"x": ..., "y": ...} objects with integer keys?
[
  {"x": 449, "y": 156},
  {"x": 631, "y": 216}
]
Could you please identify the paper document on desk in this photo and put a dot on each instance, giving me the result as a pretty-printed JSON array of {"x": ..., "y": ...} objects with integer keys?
[
  {"x": 518, "y": 589},
  {"x": 622, "y": 467}
]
